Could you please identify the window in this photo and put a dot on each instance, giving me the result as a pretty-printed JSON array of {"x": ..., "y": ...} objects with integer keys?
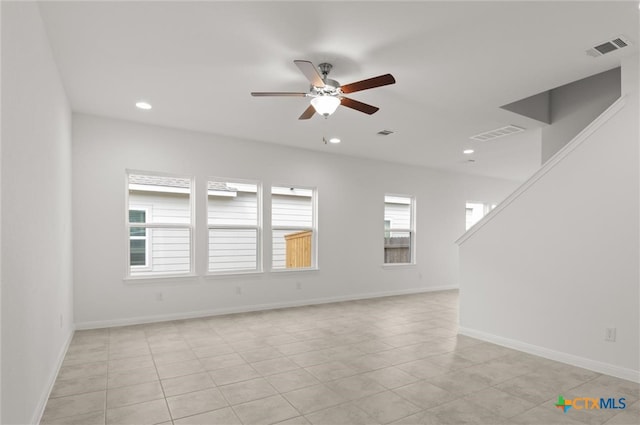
[
  {"x": 234, "y": 226},
  {"x": 138, "y": 247},
  {"x": 475, "y": 211},
  {"x": 160, "y": 233},
  {"x": 399, "y": 232},
  {"x": 293, "y": 225}
]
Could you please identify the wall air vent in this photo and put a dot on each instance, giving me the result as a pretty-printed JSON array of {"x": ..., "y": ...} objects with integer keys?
[
  {"x": 385, "y": 132},
  {"x": 497, "y": 133},
  {"x": 608, "y": 46}
]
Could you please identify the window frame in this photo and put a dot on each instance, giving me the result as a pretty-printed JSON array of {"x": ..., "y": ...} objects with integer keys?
[
  {"x": 412, "y": 230},
  {"x": 258, "y": 228},
  {"x": 128, "y": 276},
  {"x": 313, "y": 228}
]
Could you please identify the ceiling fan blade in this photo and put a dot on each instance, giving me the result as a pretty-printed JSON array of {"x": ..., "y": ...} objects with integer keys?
[
  {"x": 308, "y": 113},
  {"x": 370, "y": 83},
  {"x": 358, "y": 106},
  {"x": 277, "y": 93},
  {"x": 309, "y": 70}
]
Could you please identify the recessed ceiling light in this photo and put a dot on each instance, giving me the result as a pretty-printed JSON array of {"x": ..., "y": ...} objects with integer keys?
[
  {"x": 334, "y": 140},
  {"x": 143, "y": 105},
  {"x": 467, "y": 151}
]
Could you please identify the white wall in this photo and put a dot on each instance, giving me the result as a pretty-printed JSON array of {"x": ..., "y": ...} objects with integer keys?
[
  {"x": 350, "y": 221},
  {"x": 36, "y": 216},
  {"x": 573, "y": 106},
  {"x": 548, "y": 272}
]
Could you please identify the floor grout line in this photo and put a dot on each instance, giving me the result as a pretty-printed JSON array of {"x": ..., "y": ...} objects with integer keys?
[{"x": 410, "y": 327}]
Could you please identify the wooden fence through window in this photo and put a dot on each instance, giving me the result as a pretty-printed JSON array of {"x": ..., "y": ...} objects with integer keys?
[
  {"x": 397, "y": 250},
  {"x": 298, "y": 249}
]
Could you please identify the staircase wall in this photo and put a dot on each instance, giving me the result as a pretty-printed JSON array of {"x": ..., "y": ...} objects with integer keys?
[{"x": 557, "y": 263}]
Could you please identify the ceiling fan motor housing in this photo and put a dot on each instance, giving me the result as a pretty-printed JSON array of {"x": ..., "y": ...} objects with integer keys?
[{"x": 331, "y": 88}]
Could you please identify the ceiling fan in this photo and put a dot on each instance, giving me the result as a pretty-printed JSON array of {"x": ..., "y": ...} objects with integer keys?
[{"x": 326, "y": 94}]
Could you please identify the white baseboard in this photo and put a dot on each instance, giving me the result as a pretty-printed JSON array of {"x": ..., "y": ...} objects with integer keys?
[
  {"x": 254, "y": 307},
  {"x": 42, "y": 403},
  {"x": 594, "y": 365}
]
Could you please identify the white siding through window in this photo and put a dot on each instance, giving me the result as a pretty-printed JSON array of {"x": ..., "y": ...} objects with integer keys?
[
  {"x": 233, "y": 210},
  {"x": 291, "y": 208},
  {"x": 399, "y": 215},
  {"x": 231, "y": 247},
  {"x": 170, "y": 250},
  {"x": 292, "y": 211},
  {"x": 170, "y": 247},
  {"x": 167, "y": 208}
]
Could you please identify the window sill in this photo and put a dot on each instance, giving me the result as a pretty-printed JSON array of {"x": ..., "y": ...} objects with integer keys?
[
  {"x": 398, "y": 266},
  {"x": 134, "y": 280},
  {"x": 232, "y": 274},
  {"x": 301, "y": 270}
]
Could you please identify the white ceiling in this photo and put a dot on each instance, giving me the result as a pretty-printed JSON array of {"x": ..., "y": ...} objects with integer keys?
[{"x": 455, "y": 63}]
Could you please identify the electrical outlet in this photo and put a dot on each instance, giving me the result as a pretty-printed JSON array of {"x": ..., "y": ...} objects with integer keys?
[
  {"x": 238, "y": 290},
  {"x": 159, "y": 296},
  {"x": 298, "y": 285},
  {"x": 610, "y": 334}
]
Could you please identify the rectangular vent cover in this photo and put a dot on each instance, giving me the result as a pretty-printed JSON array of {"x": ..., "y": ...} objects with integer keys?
[
  {"x": 620, "y": 42},
  {"x": 497, "y": 133},
  {"x": 608, "y": 46}
]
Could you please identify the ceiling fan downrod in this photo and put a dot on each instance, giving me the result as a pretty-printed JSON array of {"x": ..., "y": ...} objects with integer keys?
[{"x": 325, "y": 68}]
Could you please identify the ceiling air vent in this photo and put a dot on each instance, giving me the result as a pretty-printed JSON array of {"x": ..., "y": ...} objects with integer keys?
[
  {"x": 385, "y": 132},
  {"x": 497, "y": 133},
  {"x": 608, "y": 46}
]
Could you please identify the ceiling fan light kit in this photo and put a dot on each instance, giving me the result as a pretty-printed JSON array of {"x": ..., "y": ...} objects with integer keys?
[
  {"x": 326, "y": 94},
  {"x": 325, "y": 104}
]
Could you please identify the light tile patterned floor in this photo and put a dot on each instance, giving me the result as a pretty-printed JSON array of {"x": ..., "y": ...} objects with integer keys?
[{"x": 387, "y": 360}]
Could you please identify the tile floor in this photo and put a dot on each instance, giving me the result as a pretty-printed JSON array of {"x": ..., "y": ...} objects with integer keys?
[{"x": 388, "y": 360}]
